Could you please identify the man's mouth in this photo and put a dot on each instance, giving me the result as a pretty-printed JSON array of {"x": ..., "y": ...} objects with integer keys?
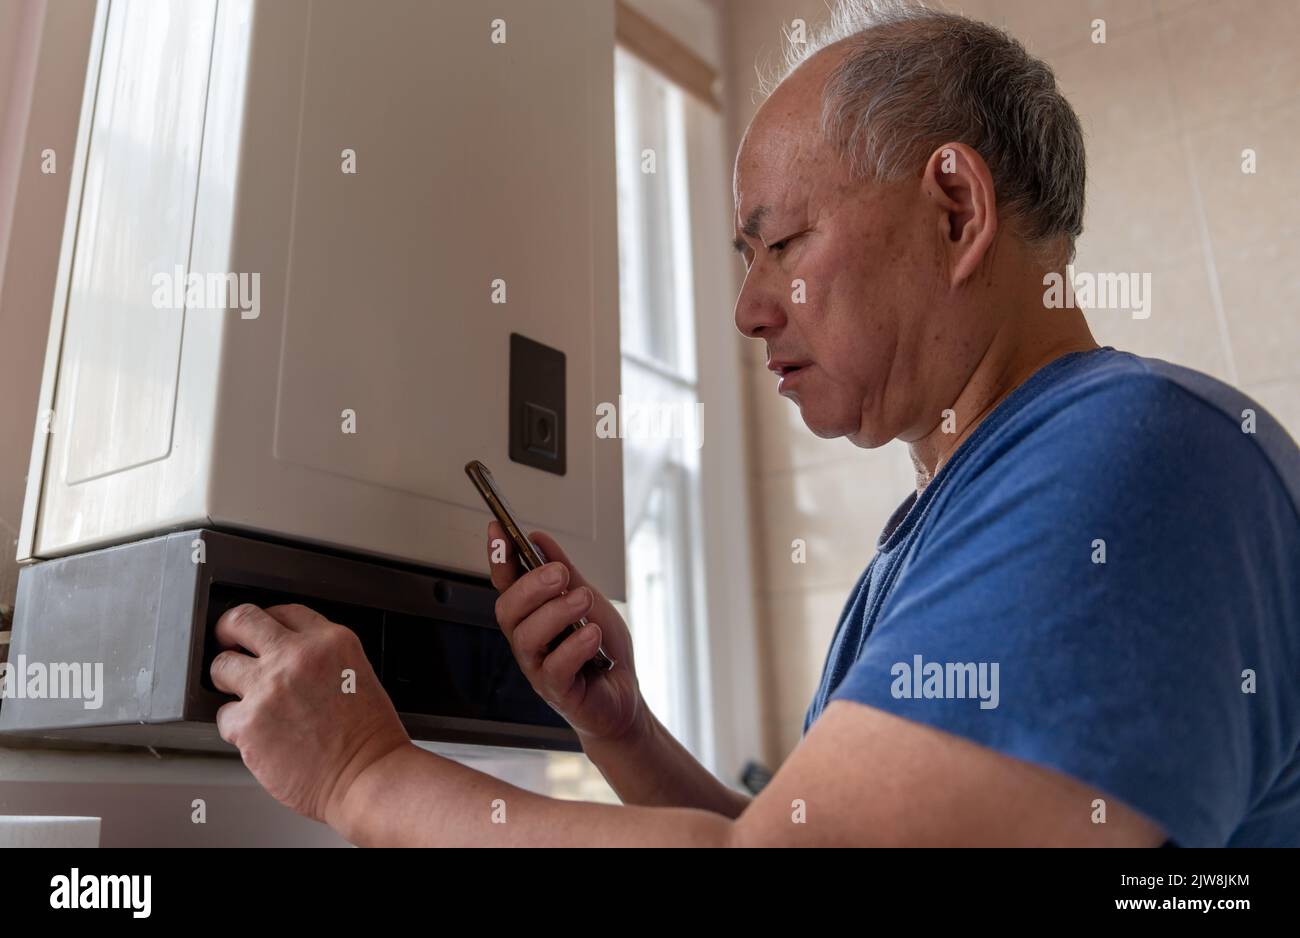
[{"x": 787, "y": 371}]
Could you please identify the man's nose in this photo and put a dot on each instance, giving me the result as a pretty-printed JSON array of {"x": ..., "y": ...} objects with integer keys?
[{"x": 759, "y": 312}]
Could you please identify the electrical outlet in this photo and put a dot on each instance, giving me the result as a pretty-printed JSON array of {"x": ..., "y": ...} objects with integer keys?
[{"x": 537, "y": 405}]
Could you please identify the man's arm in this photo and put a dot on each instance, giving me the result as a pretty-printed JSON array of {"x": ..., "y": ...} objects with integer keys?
[
  {"x": 413, "y": 798},
  {"x": 648, "y": 766},
  {"x": 638, "y": 757},
  {"x": 862, "y": 777}
]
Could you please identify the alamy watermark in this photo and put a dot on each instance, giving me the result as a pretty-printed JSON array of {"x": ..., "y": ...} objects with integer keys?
[
  {"x": 57, "y": 680},
  {"x": 79, "y": 890},
  {"x": 651, "y": 420},
  {"x": 950, "y": 680},
  {"x": 181, "y": 290},
  {"x": 1084, "y": 290}
]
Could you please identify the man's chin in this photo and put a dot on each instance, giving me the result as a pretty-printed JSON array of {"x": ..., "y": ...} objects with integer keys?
[
  {"x": 868, "y": 437},
  {"x": 832, "y": 427},
  {"x": 821, "y": 426}
]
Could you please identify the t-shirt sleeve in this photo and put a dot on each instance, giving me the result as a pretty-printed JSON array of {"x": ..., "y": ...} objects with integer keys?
[{"x": 1119, "y": 587}]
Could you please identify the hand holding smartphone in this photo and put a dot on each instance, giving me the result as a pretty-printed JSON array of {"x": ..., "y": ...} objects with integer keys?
[{"x": 529, "y": 557}]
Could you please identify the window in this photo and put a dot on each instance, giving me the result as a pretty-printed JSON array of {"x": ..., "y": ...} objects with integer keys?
[
  {"x": 686, "y": 503},
  {"x": 661, "y": 470}
]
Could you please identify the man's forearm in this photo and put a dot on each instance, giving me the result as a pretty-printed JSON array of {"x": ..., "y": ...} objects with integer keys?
[
  {"x": 648, "y": 766},
  {"x": 415, "y": 798}
]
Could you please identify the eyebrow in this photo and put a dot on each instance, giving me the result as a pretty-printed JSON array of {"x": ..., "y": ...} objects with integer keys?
[{"x": 750, "y": 230}]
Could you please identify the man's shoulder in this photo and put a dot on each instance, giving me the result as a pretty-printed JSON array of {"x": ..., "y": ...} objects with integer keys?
[
  {"x": 1246, "y": 419},
  {"x": 1115, "y": 389},
  {"x": 1110, "y": 411}
]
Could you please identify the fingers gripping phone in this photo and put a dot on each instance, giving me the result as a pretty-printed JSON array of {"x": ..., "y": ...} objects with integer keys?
[{"x": 530, "y": 558}]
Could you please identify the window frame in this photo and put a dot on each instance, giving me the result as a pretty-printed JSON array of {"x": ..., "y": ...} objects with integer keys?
[{"x": 723, "y": 634}]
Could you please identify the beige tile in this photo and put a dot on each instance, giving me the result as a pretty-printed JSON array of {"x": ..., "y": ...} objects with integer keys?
[
  {"x": 755, "y": 39},
  {"x": 1141, "y": 210},
  {"x": 1241, "y": 208},
  {"x": 1120, "y": 88},
  {"x": 1282, "y": 400},
  {"x": 802, "y": 625},
  {"x": 783, "y": 738},
  {"x": 1046, "y": 27},
  {"x": 1183, "y": 327},
  {"x": 837, "y": 509},
  {"x": 985, "y": 11},
  {"x": 1261, "y": 296},
  {"x": 753, "y": 352},
  {"x": 1226, "y": 56}
]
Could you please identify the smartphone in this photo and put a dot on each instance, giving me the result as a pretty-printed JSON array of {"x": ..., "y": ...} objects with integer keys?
[{"x": 530, "y": 558}]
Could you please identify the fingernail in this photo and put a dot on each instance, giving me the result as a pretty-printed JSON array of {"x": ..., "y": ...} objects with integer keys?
[
  {"x": 578, "y": 598},
  {"x": 552, "y": 574}
]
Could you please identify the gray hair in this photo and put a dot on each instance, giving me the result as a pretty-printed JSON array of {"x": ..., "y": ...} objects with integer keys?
[{"x": 914, "y": 78}]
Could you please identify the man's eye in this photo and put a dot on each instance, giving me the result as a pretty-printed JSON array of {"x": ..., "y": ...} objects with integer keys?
[{"x": 776, "y": 247}]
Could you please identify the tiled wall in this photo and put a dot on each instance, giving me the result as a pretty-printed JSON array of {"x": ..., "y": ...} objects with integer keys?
[{"x": 1169, "y": 102}]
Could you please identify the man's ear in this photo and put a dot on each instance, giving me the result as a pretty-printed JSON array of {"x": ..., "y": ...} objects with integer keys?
[{"x": 959, "y": 183}]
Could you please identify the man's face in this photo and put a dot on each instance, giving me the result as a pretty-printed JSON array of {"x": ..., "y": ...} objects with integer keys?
[{"x": 845, "y": 278}]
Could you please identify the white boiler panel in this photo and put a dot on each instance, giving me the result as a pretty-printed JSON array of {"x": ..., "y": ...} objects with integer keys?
[{"x": 336, "y": 397}]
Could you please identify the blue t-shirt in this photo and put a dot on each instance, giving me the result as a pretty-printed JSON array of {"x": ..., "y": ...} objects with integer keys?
[{"x": 1104, "y": 580}]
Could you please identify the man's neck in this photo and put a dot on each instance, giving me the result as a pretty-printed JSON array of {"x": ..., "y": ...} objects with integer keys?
[{"x": 1009, "y": 361}]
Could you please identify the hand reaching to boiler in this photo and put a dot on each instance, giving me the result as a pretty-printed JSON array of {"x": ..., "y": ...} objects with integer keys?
[
  {"x": 311, "y": 717},
  {"x": 532, "y": 612}
]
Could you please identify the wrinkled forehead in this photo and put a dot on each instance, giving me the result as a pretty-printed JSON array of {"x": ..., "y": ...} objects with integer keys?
[
  {"x": 784, "y": 156},
  {"x": 781, "y": 169}
]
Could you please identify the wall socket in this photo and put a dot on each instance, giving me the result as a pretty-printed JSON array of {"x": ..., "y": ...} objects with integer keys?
[{"x": 537, "y": 405}]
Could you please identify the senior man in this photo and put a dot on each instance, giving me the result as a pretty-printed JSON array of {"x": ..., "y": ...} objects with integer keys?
[{"x": 1108, "y": 545}]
